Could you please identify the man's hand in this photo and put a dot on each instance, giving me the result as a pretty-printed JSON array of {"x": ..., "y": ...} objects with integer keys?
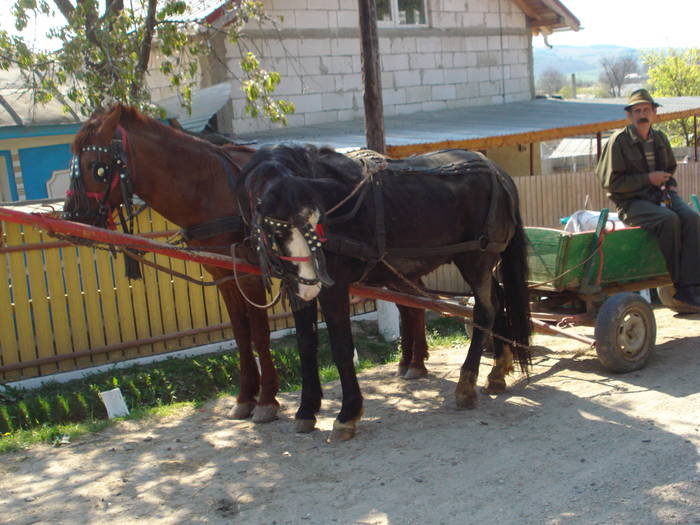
[{"x": 659, "y": 178}]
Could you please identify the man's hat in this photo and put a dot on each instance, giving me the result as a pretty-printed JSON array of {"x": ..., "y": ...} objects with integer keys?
[{"x": 640, "y": 96}]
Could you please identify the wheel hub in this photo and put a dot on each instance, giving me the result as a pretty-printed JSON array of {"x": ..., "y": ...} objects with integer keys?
[{"x": 632, "y": 334}]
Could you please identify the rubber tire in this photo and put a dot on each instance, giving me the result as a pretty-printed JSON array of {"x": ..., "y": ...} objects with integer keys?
[
  {"x": 666, "y": 294},
  {"x": 625, "y": 320}
]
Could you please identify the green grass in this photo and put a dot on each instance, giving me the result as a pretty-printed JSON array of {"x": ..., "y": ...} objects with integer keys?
[
  {"x": 52, "y": 434},
  {"x": 446, "y": 331},
  {"x": 65, "y": 411}
]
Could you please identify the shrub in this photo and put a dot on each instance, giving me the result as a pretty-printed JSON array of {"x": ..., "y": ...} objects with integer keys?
[
  {"x": 6, "y": 424},
  {"x": 60, "y": 412}
]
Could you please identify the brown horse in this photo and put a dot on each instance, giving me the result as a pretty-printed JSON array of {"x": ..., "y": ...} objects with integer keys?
[{"x": 189, "y": 181}]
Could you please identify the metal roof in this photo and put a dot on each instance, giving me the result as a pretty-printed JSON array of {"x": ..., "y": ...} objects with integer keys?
[
  {"x": 205, "y": 102},
  {"x": 480, "y": 127},
  {"x": 18, "y": 109}
]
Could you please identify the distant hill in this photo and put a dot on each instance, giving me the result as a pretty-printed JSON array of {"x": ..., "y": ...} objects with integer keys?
[{"x": 584, "y": 61}]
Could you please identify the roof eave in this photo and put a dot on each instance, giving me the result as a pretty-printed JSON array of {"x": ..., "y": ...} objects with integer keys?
[{"x": 556, "y": 18}]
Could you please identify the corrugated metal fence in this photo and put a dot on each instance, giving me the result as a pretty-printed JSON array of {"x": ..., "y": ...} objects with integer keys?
[
  {"x": 545, "y": 199},
  {"x": 68, "y": 307}
]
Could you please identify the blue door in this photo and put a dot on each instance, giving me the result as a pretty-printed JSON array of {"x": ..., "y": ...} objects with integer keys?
[{"x": 38, "y": 164}]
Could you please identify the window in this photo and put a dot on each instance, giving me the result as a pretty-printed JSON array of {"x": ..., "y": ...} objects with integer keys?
[{"x": 401, "y": 12}]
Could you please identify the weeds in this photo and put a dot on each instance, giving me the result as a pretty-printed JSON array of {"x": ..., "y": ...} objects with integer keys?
[{"x": 57, "y": 412}]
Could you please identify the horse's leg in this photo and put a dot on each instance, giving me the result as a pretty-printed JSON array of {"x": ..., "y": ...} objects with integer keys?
[
  {"x": 250, "y": 377},
  {"x": 502, "y": 366},
  {"x": 406, "y": 340},
  {"x": 336, "y": 310},
  {"x": 414, "y": 347},
  {"x": 477, "y": 272},
  {"x": 307, "y": 344},
  {"x": 503, "y": 354},
  {"x": 267, "y": 407}
]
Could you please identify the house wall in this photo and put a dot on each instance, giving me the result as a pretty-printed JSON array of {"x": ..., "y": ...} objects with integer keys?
[
  {"x": 515, "y": 160},
  {"x": 29, "y": 157},
  {"x": 471, "y": 52}
]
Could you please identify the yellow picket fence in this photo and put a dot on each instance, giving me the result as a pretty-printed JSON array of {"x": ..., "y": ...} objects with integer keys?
[{"x": 68, "y": 307}]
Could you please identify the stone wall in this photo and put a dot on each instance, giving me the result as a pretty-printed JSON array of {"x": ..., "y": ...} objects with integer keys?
[{"x": 471, "y": 52}]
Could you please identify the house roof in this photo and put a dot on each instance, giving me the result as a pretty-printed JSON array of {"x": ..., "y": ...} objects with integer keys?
[
  {"x": 546, "y": 16},
  {"x": 480, "y": 127},
  {"x": 205, "y": 102},
  {"x": 18, "y": 109}
]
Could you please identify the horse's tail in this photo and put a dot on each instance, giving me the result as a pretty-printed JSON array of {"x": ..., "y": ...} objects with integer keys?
[{"x": 514, "y": 274}]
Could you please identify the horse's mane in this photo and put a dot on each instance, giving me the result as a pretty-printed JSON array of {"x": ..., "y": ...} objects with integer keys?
[
  {"x": 130, "y": 116},
  {"x": 309, "y": 161}
]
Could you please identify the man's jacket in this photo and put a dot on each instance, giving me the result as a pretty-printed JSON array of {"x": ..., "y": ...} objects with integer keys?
[{"x": 623, "y": 170}]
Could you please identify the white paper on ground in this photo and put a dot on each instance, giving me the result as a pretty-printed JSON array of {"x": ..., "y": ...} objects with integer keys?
[{"x": 114, "y": 402}]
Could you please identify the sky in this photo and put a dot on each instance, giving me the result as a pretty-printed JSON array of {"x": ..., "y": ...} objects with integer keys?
[{"x": 632, "y": 23}]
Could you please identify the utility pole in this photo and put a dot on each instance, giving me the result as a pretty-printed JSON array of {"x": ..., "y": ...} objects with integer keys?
[{"x": 371, "y": 76}]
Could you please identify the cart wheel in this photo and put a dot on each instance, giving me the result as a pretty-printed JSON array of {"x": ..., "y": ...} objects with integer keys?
[
  {"x": 666, "y": 294},
  {"x": 625, "y": 332}
]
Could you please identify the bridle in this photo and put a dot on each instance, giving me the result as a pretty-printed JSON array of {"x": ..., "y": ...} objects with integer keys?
[
  {"x": 112, "y": 173},
  {"x": 270, "y": 258}
]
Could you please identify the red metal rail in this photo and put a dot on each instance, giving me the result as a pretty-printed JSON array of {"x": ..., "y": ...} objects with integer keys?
[{"x": 60, "y": 226}]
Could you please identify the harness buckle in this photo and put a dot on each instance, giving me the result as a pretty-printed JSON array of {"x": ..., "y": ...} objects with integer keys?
[{"x": 483, "y": 243}]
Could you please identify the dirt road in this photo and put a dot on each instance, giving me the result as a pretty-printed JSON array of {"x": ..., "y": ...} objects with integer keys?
[{"x": 574, "y": 445}]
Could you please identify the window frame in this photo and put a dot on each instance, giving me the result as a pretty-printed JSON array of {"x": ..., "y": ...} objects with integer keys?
[{"x": 394, "y": 9}]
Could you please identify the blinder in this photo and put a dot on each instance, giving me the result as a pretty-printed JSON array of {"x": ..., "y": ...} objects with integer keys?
[
  {"x": 112, "y": 172},
  {"x": 101, "y": 172},
  {"x": 265, "y": 232}
]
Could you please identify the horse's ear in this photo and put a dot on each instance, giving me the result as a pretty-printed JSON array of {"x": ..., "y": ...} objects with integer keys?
[{"x": 109, "y": 124}]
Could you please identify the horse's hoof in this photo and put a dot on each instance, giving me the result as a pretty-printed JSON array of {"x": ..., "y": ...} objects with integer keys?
[
  {"x": 342, "y": 431},
  {"x": 402, "y": 370},
  {"x": 243, "y": 410},
  {"x": 345, "y": 431},
  {"x": 466, "y": 402},
  {"x": 304, "y": 426},
  {"x": 494, "y": 386},
  {"x": 415, "y": 373},
  {"x": 465, "y": 393},
  {"x": 265, "y": 413}
]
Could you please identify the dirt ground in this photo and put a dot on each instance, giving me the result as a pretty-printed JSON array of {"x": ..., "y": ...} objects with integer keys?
[{"x": 573, "y": 445}]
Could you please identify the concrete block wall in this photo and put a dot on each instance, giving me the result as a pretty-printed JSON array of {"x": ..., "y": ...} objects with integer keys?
[{"x": 471, "y": 52}]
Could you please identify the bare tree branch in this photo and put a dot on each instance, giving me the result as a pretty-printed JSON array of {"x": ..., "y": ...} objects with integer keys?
[
  {"x": 146, "y": 42},
  {"x": 66, "y": 8},
  {"x": 615, "y": 71}
]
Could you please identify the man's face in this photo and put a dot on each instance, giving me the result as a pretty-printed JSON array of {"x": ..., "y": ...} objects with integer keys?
[{"x": 642, "y": 115}]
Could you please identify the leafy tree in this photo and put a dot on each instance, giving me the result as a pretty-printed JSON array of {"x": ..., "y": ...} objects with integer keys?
[
  {"x": 105, "y": 48},
  {"x": 615, "y": 70},
  {"x": 550, "y": 81},
  {"x": 675, "y": 73}
]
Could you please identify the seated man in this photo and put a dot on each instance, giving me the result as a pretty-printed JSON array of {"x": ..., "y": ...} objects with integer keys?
[{"x": 636, "y": 168}]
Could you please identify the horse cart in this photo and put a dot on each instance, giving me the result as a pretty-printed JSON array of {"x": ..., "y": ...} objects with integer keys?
[{"x": 590, "y": 278}]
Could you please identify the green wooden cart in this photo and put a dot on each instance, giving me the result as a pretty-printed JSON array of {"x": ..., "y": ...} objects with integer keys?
[{"x": 589, "y": 278}]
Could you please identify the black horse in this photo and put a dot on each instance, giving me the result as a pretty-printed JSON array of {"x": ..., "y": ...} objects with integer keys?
[{"x": 324, "y": 220}]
